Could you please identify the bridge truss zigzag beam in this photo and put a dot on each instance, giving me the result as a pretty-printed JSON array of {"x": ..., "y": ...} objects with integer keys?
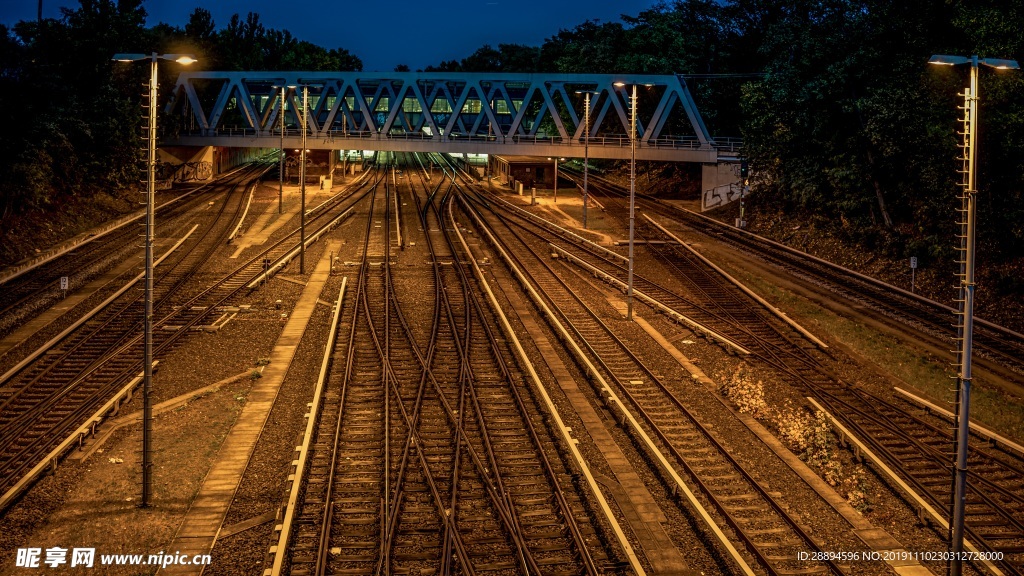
[{"x": 533, "y": 114}]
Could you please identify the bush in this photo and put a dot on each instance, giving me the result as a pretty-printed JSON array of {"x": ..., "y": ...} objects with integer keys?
[
  {"x": 811, "y": 438},
  {"x": 748, "y": 395}
]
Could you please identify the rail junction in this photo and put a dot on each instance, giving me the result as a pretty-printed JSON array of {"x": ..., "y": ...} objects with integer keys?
[{"x": 479, "y": 404}]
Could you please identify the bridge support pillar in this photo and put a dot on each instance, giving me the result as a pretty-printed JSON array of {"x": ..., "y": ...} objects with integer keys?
[
  {"x": 720, "y": 174},
  {"x": 720, "y": 184},
  {"x": 184, "y": 164}
]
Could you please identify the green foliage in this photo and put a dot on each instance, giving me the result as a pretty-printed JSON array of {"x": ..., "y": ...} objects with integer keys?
[
  {"x": 74, "y": 126},
  {"x": 248, "y": 45},
  {"x": 843, "y": 119},
  {"x": 851, "y": 123},
  {"x": 848, "y": 122},
  {"x": 72, "y": 130},
  {"x": 506, "y": 58}
]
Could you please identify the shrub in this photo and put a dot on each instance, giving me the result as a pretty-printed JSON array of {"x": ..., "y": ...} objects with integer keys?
[{"x": 747, "y": 395}]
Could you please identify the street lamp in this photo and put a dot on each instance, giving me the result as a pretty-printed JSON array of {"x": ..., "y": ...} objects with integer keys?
[
  {"x": 967, "y": 246},
  {"x": 632, "y": 195},
  {"x": 147, "y": 320},
  {"x": 586, "y": 148}
]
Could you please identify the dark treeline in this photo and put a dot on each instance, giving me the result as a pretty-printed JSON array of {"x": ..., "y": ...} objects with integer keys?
[
  {"x": 73, "y": 117},
  {"x": 848, "y": 120},
  {"x": 840, "y": 114}
]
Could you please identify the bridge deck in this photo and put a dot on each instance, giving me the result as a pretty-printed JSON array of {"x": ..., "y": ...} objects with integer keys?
[
  {"x": 663, "y": 150},
  {"x": 514, "y": 114}
]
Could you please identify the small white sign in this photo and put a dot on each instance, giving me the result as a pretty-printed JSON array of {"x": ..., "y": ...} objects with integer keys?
[
  {"x": 913, "y": 261},
  {"x": 63, "y": 282}
]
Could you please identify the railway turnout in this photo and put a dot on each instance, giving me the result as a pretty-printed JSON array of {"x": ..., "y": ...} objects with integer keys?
[{"x": 480, "y": 405}]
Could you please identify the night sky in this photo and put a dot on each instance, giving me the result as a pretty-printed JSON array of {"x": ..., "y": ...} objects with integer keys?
[{"x": 384, "y": 34}]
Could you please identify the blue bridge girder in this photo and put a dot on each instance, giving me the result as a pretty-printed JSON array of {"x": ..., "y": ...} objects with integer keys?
[{"x": 516, "y": 114}]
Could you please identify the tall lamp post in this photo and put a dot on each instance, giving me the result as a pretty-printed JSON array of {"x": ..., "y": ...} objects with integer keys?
[
  {"x": 965, "y": 340},
  {"x": 147, "y": 320},
  {"x": 586, "y": 148}
]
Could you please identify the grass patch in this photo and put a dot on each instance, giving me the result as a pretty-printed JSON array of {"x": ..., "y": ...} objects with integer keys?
[{"x": 920, "y": 370}]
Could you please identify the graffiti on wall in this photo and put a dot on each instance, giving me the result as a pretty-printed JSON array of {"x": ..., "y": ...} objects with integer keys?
[
  {"x": 720, "y": 196},
  {"x": 192, "y": 171}
]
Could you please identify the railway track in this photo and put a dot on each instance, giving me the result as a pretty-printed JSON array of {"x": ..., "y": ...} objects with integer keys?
[
  {"x": 919, "y": 449},
  {"x": 1004, "y": 348},
  {"x": 426, "y": 455},
  {"x": 42, "y": 401},
  {"x": 767, "y": 533},
  {"x": 24, "y": 296}
]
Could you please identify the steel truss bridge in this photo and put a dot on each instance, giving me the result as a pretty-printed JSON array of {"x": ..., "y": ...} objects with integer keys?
[{"x": 515, "y": 114}]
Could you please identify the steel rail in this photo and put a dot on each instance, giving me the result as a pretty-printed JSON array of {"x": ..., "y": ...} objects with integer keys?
[
  {"x": 470, "y": 377},
  {"x": 778, "y": 313},
  {"x": 301, "y": 462},
  {"x": 565, "y": 431},
  {"x": 722, "y": 509},
  {"x": 224, "y": 286}
]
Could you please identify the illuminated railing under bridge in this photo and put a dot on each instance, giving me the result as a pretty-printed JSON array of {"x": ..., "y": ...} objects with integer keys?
[{"x": 525, "y": 114}]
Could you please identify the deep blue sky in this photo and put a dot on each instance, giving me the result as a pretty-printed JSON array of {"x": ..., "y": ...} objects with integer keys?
[{"x": 384, "y": 34}]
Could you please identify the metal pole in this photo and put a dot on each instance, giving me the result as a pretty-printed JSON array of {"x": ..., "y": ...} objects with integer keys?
[
  {"x": 147, "y": 321},
  {"x": 302, "y": 176},
  {"x": 586, "y": 155},
  {"x": 281, "y": 168},
  {"x": 487, "y": 167},
  {"x": 743, "y": 207},
  {"x": 967, "y": 293},
  {"x": 632, "y": 201},
  {"x": 556, "y": 180}
]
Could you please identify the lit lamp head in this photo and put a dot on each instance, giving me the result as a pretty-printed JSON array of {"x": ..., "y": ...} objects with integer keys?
[
  {"x": 997, "y": 63},
  {"x": 1000, "y": 64},
  {"x": 946, "y": 60},
  {"x": 185, "y": 59},
  {"x": 621, "y": 84}
]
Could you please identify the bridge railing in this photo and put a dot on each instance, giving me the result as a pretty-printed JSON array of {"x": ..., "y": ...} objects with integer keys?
[{"x": 727, "y": 144}]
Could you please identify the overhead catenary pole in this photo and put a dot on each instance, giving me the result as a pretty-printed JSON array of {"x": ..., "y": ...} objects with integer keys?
[
  {"x": 302, "y": 176},
  {"x": 280, "y": 169},
  {"x": 632, "y": 201},
  {"x": 586, "y": 154}
]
